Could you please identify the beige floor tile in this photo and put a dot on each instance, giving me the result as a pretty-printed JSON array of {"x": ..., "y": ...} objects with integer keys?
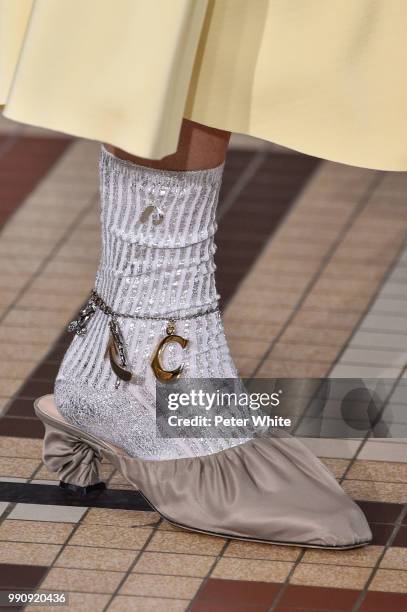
[
  {"x": 28, "y": 553},
  {"x": 251, "y": 569},
  {"x": 78, "y": 252},
  {"x": 18, "y": 467},
  {"x": 35, "y": 531},
  {"x": 389, "y": 581},
  {"x": 48, "y": 512},
  {"x": 67, "y": 269},
  {"x": 13, "y": 281},
  {"x": 303, "y": 352},
  {"x": 78, "y": 602},
  {"x": 332, "y": 301},
  {"x": 10, "y": 386},
  {"x": 38, "y": 318},
  {"x": 4, "y": 401},
  {"x": 18, "y": 230},
  {"x": 259, "y": 295},
  {"x": 253, "y": 550},
  {"x": 86, "y": 557},
  {"x": 336, "y": 466},
  {"x": 245, "y": 365},
  {"x": 123, "y": 518},
  {"x": 20, "y": 447},
  {"x": 71, "y": 286},
  {"x": 243, "y": 329},
  {"x": 147, "y": 604},
  {"x": 179, "y": 587},
  {"x": 44, "y": 474},
  {"x": 166, "y": 526},
  {"x": 17, "y": 265},
  {"x": 181, "y": 542},
  {"x": 335, "y": 448},
  {"x": 15, "y": 352},
  {"x": 297, "y": 250},
  {"x": 54, "y": 217},
  {"x": 321, "y": 337},
  {"x": 308, "y": 232},
  {"x": 118, "y": 487},
  {"x": 395, "y": 558},
  {"x": 89, "y": 581},
  {"x": 17, "y": 369},
  {"x": 384, "y": 450},
  {"x": 7, "y": 296},
  {"x": 360, "y": 557},
  {"x": 261, "y": 312},
  {"x": 119, "y": 537},
  {"x": 348, "y": 287},
  {"x": 9, "y": 249},
  {"x": 38, "y": 301},
  {"x": 174, "y": 564},
  {"x": 28, "y": 335},
  {"x": 271, "y": 265},
  {"x": 352, "y": 270},
  {"x": 376, "y": 491},
  {"x": 336, "y": 576},
  {"x": 247, "y": 348},
  {"x": 320, "y": 319},
  {"x": 363, "y": 254},
  {"x": 384, "y": 471},
  {"x": 292, "y": 369}
]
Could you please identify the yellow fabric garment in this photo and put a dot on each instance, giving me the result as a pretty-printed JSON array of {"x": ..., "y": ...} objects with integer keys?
[{"x": 323, "y": 77}]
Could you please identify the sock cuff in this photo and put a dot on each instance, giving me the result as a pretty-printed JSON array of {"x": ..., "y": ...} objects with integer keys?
[
  {"x": 147, "y": 207},
  {"x": 207, "y": 176}
]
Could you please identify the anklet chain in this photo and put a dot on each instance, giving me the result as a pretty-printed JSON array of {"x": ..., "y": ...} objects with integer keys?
[
  {"x": 79, "y": 325},
  {"x": 116, "y": 348}
]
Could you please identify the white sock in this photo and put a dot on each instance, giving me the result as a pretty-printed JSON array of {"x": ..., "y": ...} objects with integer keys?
[{"x": 155, "y": 262}]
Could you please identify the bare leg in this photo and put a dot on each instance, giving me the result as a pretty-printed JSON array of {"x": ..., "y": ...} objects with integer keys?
[{"x": 200, "y": 147}]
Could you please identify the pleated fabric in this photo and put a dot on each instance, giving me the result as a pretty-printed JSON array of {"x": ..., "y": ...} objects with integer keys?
[
  {"x": 271, "y": 489},
  {"x": 325, "y": 78}
]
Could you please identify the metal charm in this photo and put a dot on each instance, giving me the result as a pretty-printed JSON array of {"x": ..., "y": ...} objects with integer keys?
[
  {"x": 157, "y": 213},
  {"x": 116, "y": 349},
  {"x": 80, "y": 325},
  {"x": 159, "y": 371}
]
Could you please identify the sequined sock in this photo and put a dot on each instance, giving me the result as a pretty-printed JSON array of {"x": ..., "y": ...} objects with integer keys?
[{"x": 156, "y": 262}]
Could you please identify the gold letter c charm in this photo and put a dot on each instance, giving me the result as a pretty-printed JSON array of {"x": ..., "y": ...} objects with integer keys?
[{"x": 159, "y": 371}]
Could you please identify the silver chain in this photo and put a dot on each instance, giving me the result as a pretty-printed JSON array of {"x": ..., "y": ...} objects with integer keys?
[
  {"x": 79, "y": 325},
  {"x": 101, "y": 304}
]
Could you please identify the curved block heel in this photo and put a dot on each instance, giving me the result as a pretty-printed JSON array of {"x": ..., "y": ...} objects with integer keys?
[
  {"x": 82, "y": 491},
  {"x": 76, "y": 462}
]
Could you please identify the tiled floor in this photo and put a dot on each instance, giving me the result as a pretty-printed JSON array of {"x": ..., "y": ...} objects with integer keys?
[{"x": 318, "y": 289}]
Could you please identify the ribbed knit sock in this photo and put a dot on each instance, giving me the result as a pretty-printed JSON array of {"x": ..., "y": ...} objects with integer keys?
[{"x": 156, "y": 261}]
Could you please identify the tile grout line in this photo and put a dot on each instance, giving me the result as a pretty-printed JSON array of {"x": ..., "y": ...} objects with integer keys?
[
  {"x": 71, "y": 228},
  {"x": 10, "y": 141},
  {"x": 286, "y": 583},
  {"x": 26, "y": 286},
  {"x": 359, "y": 209},
  {"x": 388, "y": 544},
  {"x": 133, "y": 564},
  {"x": 377, "y": 178},
  {"x": 244, "y": 179},
  {"x": 364, "y": 201},
  {"x": 368, "y": 436},
  {"x": 205, "y": 579}
]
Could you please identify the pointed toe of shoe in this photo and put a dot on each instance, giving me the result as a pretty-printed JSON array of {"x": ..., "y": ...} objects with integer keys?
[
  {"x": 347, "y": 526},
  {"x": 273, "y": 490}
]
